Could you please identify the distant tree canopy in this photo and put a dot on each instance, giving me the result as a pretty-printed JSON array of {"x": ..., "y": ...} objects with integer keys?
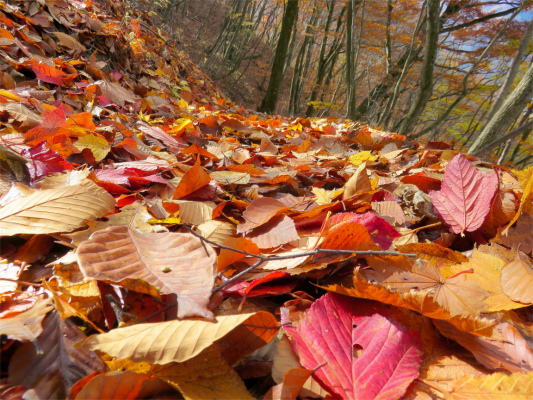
[{"x": 434, "y": 68}]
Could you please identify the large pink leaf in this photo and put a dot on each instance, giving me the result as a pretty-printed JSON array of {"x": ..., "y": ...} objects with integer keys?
[
  {"x": 365, "y": 353},
  {"x": 466, "y": 194}
]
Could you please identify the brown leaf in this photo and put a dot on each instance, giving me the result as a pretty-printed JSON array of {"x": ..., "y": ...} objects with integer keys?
[
  {"x": 519, "y": 233},
  {"x": 55, "y": 210},
  {"x": 206, "y": 376},
  {"x": 517, "y": 280},
  {"x": 290, "y": 387},
  {"x": 259, "y": 212},
  {"x": 175, "y": 262},
  {"x": 119, "y": 385},
  {"x": 276, "y": 232},
  {"x": 509, "y": 352},
  {"x": 358, "y": 183},
  {"x": 457, "y": 294},
  {"x": 116, "y": 93},
  {"x": 52, "y": 373},
  {"x": 26, "y": 325}
]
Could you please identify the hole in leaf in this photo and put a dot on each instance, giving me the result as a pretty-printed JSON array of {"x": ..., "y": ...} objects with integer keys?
[{"x": 357, "y": 350}]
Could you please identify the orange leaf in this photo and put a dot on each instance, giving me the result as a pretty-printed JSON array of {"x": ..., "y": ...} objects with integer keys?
[
  {"x": 228, "y": 257},
  {"x": 48, "y": 74},
  {"x": 194, "y": 179},
  {"x": 83, "y": 120}
]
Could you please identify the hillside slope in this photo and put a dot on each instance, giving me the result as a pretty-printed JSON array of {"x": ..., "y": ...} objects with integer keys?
[{"x": 153, "y": 236}]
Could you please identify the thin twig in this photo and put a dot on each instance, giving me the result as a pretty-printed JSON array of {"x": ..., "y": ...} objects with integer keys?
[{"x": 22, "y": 282}]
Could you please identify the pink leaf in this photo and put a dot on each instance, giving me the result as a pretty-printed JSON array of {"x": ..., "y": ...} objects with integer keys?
[
  {"x": 365, "y": 354},
  {"x": 466, "y": 194}
]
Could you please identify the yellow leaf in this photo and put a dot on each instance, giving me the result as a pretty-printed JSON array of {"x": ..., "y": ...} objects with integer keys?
[
  {"x": 98, "y": 146},
  {"x": 149, "y": 342},
  {"x": 486, "y": 272},
  {"x": 525, "y": 177},
  {"x": 496, "y": 386},
  {"x": 165, "y": 221},
  {"x": 183, "y": 105},
  {"x": 9, "y": 95},
  {"x": 325, "y": 196},
  {"x": 361, "y": 157}
]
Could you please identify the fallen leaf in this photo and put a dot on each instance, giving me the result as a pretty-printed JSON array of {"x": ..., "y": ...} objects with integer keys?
[
  {"x": 206, "y": 376},
  {"x": 26, "y": 325},
  {"x": 466, "y": 194},
  {"x": 276, "y": 232},
  {"x": 259, "y": 212},
  {"x": 499, "y": 385},
  {"x": 194, "y": 179},
  {"x": 517, "y": 280},
  {"x": 148, "y": 342},
  {"x": 292, "y": 383},
  {"x": 52, "y": 372},
  {"x": 119, "y": 385},
  {"x": 55, "y": 210},
  {"x": 506, "y": 350},
  {"x": 366, "y": 354},
  {"x": 177, "y": 263},
  {"x": 358, "y": 183}
]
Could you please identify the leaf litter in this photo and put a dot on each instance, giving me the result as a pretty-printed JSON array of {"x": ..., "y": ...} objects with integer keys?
[{"x": 156, "y": 241}]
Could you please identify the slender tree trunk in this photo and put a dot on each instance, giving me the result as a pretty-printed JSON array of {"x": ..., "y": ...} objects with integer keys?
[
  {"x": 511, "y": 75},
  {"x": 391, "y": 103},
  {"x": 268, "y": 105},
  {"x": 508, "y": 112},
  {"x": 388, "y": 45},
  {"x": 321, "y": 69},
  {"x": 350, "y": 64},
  {"x": 426, "y": 79},
  {"x": 464, "y": 91}
]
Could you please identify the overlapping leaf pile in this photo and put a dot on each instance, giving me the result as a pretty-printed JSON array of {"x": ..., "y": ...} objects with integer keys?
[{"x": 154, "y": 237}]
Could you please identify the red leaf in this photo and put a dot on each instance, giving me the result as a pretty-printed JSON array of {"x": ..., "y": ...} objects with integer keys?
[
  {"x": 48, "y": 74},
  {"x": 466, "y": 194},
  {"x": 280, "y": 285},
  {"x": 364, "y": 353},
  {"x": 44, "y": 161}
]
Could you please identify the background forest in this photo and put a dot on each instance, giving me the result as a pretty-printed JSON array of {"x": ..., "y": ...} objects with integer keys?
[{"x": 450, "y": 70}]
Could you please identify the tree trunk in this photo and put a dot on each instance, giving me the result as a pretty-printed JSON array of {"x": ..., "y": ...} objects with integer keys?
[
  {"x": 464, "y": 90},
  {"x": 321, "y": 70},
  {"x": 426, "y": 79},
  {"x": 511, "y": 75},
  {"x": 268, "y": 105},
  {"x": 508, "y": 112},
  {"x": 350, "y": 64}
]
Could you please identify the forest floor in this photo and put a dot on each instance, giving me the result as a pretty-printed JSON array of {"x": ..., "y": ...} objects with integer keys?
[{"x": 159, "y": 241}]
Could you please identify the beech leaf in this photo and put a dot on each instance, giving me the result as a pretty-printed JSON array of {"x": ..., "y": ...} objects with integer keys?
[
  {"x": 499, "y": 385},
  {"x": 465, "y": 197},
  {"x": 55, "y": 210},
  {"x": 517, "y": 280},
  {"x": 61, "y": 364},
  {"x": 367, "y": 354},
  {"x": 178, "y": 341},
  {"x": 177, "y": 263}
]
